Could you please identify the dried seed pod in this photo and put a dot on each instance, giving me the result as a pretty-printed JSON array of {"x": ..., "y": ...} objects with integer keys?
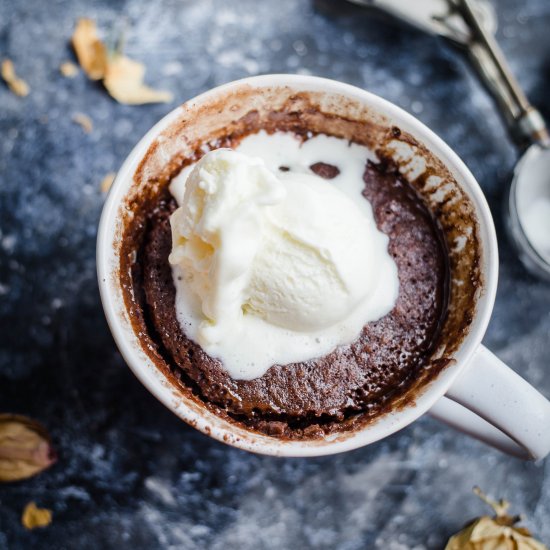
[
  {"x": 68, "y": 69},
  {"x": 124, "y": 82},
  {"x": 106, "y": 182},
  {"x": 122, "y": 77},
  {"x": 84, "y": 121},
  {"x": 34, "y": 517},
  {"x": 499, "y": 532},
  {"x": 90, "y": 50},
  {"x": 25, "y": 448},
  {"x": 17, "y": 85}
]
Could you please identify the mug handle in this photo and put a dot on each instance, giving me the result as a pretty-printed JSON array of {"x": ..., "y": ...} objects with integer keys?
[{"x": 490, "y": 402}]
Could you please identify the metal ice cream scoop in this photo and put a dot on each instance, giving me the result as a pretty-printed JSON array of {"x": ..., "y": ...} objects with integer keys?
[{"x": 471, "y": 24}]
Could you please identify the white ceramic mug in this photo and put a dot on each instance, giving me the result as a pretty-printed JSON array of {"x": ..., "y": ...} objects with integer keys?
[{"x": 476, "y": 393}]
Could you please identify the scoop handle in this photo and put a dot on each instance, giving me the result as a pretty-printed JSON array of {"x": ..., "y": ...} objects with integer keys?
[
  {"x": 492, "y": 67},
  {"x": 490, "y": 402}
]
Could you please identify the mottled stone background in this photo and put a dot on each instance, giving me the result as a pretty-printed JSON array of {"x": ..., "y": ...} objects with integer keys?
[{"x": 130, "y": 475}]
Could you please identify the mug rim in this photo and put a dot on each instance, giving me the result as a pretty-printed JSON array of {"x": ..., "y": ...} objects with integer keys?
[{"x": 216, "y": 426}]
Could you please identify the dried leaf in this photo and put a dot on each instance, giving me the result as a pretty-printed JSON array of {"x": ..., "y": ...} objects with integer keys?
[
  {"x": 107, "y": 181},
  {"x": 124, "y": 82},
  {"x": 35, "y": 517},
  {"x": 68, "y": 69},
  {"x": 17, "y": 85},
  {"x": 25, "y": 448},
  {"x": 496, "y": 533},
  {"x": 122, "y": 77},
  {"x": 84, "y": 121},
  {"x": 90, "y": 50}
]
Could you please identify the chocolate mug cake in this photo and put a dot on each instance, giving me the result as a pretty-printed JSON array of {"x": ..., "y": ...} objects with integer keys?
[{"x": 393, "y": 355}]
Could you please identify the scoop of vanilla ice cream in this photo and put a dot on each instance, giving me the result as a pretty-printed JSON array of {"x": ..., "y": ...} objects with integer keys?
[
  {"x": 315, "y": 261},
  {"x": 256, "y": 250},
  {"x": 216, "y": 233},
  {"x": 292, "y": 250}
]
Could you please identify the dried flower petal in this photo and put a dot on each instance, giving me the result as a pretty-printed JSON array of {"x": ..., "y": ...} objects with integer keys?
[
  {"x": 25, "y": 448},
  {"x": 496, "y": 533},
  {"x": 68, "y": 69},
  {"x": 124, "y": 82},
  {"x": 89, "y": 49},
  {"x": 107, "y": 181},
  {"x": 122, "y": 77},
  {"x": 17, "y": 85},
  {"x": 84, "y": 121},
  {"x": 35, "y": 517}
]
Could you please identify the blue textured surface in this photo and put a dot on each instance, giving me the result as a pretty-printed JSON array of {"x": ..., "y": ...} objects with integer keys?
[{"x": 130, "y": 475}]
